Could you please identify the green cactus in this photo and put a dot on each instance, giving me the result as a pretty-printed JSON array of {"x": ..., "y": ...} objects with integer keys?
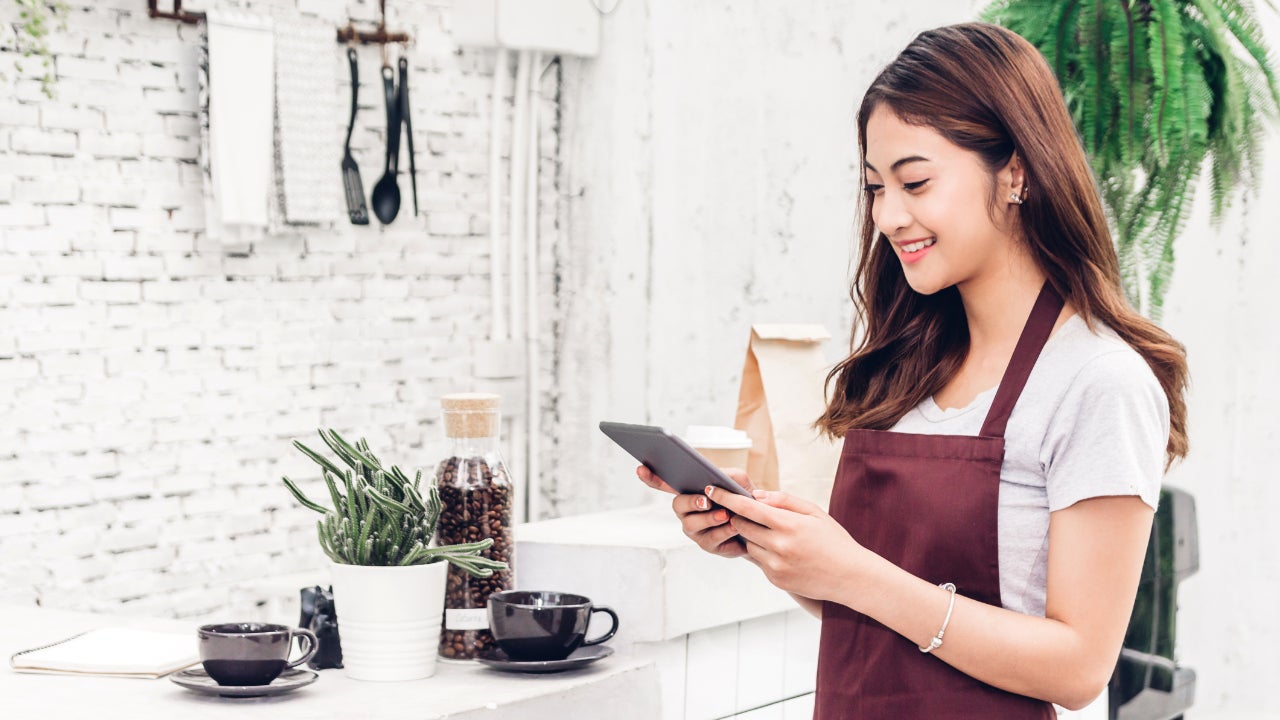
[{"x": 380, "y": 517}]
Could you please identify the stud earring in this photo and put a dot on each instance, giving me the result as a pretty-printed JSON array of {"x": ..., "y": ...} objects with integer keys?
[{"x": 1015, "y": 198}]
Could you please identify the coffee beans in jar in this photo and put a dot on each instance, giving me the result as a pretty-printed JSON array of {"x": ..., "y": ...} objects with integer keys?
[
  {"x": 474, "y": 509},
  {"x": 476, "y": 493}
]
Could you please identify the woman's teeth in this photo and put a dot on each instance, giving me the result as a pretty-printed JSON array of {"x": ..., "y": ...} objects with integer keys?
[{"x": 917, "y": 247}]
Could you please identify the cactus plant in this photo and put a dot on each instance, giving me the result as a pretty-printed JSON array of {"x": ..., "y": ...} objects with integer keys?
[{"x": 380, "y": 517}]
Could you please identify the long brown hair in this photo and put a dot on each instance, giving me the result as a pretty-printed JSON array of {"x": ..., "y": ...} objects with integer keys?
[{"x": 989, "y": 91}]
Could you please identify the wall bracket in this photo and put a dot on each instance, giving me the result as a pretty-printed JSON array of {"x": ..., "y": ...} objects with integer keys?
[{"x": 178, "y": 13}]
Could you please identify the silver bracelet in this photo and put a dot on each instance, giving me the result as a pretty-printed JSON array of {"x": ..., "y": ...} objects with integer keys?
[{"x": 936, "y": 642}]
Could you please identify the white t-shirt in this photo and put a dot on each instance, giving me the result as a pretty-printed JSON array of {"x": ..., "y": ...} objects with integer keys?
[{"x": 1092, "y": 421}]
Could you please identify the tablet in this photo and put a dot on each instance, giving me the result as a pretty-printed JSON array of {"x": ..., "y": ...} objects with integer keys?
[{"x": 670, "y": 458}]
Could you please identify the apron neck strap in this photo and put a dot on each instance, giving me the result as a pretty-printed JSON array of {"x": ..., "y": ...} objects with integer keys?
[{"x": 1034, "y": 335}]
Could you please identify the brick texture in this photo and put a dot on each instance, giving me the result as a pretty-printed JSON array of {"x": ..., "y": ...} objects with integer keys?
[{"x": 152, "y": 379}]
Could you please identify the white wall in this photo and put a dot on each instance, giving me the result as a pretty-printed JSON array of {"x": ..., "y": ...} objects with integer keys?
[
  {"x": 151, "y": 379},
  {"x": 1221, "y": 306},
  {"x": 710, "y": 175}
]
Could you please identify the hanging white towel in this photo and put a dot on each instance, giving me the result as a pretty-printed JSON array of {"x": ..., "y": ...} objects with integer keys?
[
  {"x": 309, "y": 154},
  {"x": 237, "y": 102}
]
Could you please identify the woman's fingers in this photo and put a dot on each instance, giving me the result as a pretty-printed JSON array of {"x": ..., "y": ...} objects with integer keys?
[
  {"x": 688, "y": 503},
  {"x": 715, "y": 538},
  {"x": 695, "y": 513},
  {"x": 757, "y": 554},
  {"x": 653, "y": 481},
  {"x": 710, "y": 529},
  {"x": 751, "y": 531},
  {"x": 748, "y": 507},
  {"x": 787, "y": 502},
  {"x": 731, "y": 548}
]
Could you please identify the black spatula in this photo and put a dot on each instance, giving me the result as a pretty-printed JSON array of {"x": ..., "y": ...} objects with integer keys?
[{"x": 351, "y": 184}]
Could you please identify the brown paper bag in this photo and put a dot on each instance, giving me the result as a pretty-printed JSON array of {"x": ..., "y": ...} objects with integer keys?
[{"x": 780, "y": 397}]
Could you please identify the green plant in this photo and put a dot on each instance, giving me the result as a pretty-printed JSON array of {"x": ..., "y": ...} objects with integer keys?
[
  {"x": 378, "y": 516},
  {"x": 1156, "y": 88},
  {"x": 34, "y": 22}
]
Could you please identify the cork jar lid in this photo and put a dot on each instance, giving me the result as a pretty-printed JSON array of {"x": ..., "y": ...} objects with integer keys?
[{"x": 470, "y": 414}]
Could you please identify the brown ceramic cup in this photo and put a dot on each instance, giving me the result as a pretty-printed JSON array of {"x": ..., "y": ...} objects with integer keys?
[{"x": 251, "y": 653}]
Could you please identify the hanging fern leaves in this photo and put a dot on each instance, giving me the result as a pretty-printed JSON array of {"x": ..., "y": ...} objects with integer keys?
[
  {"x": 1160, "y": 91},
  {"x": 1126, "y": 49}
]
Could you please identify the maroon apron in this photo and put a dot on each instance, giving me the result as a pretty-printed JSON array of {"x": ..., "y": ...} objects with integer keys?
[{"x": 928, "y": 504}]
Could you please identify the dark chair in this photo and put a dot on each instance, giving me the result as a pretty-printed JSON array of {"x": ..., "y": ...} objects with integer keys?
[{"x": 1148, "y": 683}]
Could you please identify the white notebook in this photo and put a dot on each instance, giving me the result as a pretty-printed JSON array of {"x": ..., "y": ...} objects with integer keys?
[{"x": 119, "y": 652}]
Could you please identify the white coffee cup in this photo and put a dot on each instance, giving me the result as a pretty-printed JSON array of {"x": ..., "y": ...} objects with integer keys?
[{"x": 725, "y": 447}]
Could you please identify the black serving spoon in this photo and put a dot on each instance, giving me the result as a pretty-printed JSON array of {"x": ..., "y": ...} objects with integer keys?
[{"x": 386, "y": 194}]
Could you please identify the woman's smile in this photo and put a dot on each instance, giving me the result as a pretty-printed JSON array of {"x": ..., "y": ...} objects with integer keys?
[{"x": 915, "y": 249}]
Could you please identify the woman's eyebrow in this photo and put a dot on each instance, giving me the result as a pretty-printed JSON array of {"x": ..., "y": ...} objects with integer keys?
[{"x": 898, "y": 163}]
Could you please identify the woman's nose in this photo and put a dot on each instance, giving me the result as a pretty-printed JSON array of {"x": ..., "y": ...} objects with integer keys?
[{"x": 890, "y": 213}]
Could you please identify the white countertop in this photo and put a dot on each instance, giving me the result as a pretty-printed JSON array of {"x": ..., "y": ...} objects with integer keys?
[
  {"x": 626, "y": 683},
  {"x": 636, "y": 561}
]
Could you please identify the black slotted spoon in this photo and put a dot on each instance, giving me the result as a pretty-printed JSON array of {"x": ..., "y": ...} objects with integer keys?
[{"x": 351, "y": 184}]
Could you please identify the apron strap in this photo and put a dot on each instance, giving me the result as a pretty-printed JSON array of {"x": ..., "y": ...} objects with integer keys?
[{"x": 1034, "y": 335}]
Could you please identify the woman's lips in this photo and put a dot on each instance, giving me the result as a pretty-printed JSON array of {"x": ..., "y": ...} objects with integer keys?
[{"x": 911, "y": 257}]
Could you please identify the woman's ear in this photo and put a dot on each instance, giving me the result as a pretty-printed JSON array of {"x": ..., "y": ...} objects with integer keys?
[{"x": 1013, "y": 181}]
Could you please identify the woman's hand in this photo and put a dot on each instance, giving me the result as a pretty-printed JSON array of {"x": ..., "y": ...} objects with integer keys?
[
  {"x": 709, "y": 528},
  {"x": 800, "y": 548}
]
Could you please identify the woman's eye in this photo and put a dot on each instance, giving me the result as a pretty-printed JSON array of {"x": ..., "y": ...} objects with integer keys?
[{"x": 910, "y": 187}]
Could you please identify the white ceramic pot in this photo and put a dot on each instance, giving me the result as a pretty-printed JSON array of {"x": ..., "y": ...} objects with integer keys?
[{"x": 389, "y": 619}]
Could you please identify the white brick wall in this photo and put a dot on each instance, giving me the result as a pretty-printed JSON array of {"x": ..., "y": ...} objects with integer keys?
[{"x": 151, "y": 379}]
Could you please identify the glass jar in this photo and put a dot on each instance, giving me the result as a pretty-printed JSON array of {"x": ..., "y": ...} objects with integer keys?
[{"x": 476, "y": 492}]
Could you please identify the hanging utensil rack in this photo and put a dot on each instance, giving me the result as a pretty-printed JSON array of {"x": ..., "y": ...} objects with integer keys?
[
  {"x": 349, "y": 34},
  {"x": 178, "y": 13}
]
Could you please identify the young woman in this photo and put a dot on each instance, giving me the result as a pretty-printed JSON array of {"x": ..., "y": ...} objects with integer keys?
[{"x": 1007, "y": 417}]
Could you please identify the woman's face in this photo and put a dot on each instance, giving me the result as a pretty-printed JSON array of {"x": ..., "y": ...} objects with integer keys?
[{"x": 930, "y": 198}]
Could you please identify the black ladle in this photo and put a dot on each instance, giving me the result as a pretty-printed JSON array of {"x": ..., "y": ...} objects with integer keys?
[{"x": 386, "y": 194}]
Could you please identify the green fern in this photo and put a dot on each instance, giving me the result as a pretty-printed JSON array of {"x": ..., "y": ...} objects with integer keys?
[{"x": 1160, "y": 91}]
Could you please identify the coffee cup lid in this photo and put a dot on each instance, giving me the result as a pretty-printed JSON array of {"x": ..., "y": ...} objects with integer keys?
[{"x": 716, "y": 437}]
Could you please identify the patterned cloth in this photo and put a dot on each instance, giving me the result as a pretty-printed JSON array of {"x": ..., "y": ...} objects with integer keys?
[{"x": 308, "y": 148}]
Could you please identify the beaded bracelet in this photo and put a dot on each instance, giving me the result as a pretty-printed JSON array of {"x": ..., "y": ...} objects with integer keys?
[{"x": 936, "y": 642}]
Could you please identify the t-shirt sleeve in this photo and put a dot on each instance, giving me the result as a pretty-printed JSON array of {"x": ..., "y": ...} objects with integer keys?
[{"x": 1108, "y": 436}]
